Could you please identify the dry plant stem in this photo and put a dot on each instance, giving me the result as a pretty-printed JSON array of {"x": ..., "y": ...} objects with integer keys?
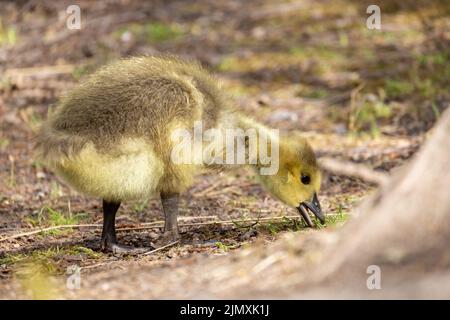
[
  {"x": 353, "y": 170},
  {"x": 161, "y": 248},
  {"x": 69, "y": 226},
  {"x": 149, "y": 225},
  {"x": 38, "y": 72},
  {"x": 208, "y": 189},
  {"x": 354, "y": 96}
]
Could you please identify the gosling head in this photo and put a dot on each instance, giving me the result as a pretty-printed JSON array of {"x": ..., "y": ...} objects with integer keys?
[{"x": 297, "y": 181}]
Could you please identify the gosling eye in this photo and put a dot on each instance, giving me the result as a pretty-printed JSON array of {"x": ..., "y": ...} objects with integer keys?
[{"x": 305, "y": 179}]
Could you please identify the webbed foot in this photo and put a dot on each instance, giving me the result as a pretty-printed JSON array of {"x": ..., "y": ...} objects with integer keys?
[
  {"x": 120, "y": 249},
  {"x": 167, "y": 237}
]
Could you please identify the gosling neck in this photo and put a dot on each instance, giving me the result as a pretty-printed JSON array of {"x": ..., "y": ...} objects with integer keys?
[{"x": 261, "y": 145}]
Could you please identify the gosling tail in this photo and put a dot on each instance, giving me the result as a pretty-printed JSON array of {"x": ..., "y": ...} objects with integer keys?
[{"x": 54, "y": 146}]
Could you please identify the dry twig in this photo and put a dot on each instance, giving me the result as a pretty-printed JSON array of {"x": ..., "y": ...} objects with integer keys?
[
  {"x": 152, "y": 225},
  {"x": 353, "y": 170},
  {"x": 161, "y": 248},
  {"x": 148, "y": 225}
]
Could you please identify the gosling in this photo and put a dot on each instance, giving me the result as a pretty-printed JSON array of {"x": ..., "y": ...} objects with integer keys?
[{"x": 112, "y": 137}]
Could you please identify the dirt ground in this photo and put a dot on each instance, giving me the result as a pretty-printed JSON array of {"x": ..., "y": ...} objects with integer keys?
[{"x": 365, "y": 96}]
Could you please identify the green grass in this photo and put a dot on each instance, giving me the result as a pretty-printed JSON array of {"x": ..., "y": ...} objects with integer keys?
[
  {"x": 324, "y": 60},
  {"x": 320, "y": 52},
  {"x": 47, "y": 259},
  {"x": 158, "y": 32},
  {"x": 83, "y": 70},
  {"x": 4, "y": 143},
  {"x": 8, "y": 35},
  {"x": 6, "y": 85},
  {"x": 222, "y": 246},
  {"x": 427, "y": 76},
  {"x": 42, "y": 258},
  {"x": 293, "y": 225},
  {"x": 369, "y": 115},
  {"x": 436, "y": 111},
  {"x": 152, "y": 32},
  {"x": 140, "y": 206},
  {"x": 12, "y": 259},
  {"x": 337, "y": 219},
  {"x": 228, "y": 63},
  {"x": 398, "y": 88},
  {"x": 435, "y": 58},
  {"x": 286, "y": 224},
  {"x": 312, "y": 92},
  {"x": 48, "y": 217}
]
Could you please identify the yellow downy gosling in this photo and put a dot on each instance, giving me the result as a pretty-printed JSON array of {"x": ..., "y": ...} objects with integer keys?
[{"x": 112, "y": 137}]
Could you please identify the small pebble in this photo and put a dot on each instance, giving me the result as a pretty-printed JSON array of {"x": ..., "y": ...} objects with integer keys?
[
  {"x": 284, "y": 115},
  {"x": 41, "y": 175}
]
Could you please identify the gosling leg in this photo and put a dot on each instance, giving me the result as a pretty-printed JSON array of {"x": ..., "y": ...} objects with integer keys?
[
  {"x": 170, "y": 207},
  {"x": 109, "y": 239}
]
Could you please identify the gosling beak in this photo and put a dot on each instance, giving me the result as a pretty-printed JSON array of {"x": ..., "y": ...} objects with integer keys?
[{"x": 314, "y": 207}]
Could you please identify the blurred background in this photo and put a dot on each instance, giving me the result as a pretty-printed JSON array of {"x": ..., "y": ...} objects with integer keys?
[
  {"x": 314, "y": 51},
  {"x": 362, "y": 95}
]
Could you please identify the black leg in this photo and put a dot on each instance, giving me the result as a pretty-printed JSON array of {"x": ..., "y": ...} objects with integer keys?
[
  {"x": 109, "y": 223},
  {"x": 170, "y": 207},
  {"x": 109, "y": 239}
]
